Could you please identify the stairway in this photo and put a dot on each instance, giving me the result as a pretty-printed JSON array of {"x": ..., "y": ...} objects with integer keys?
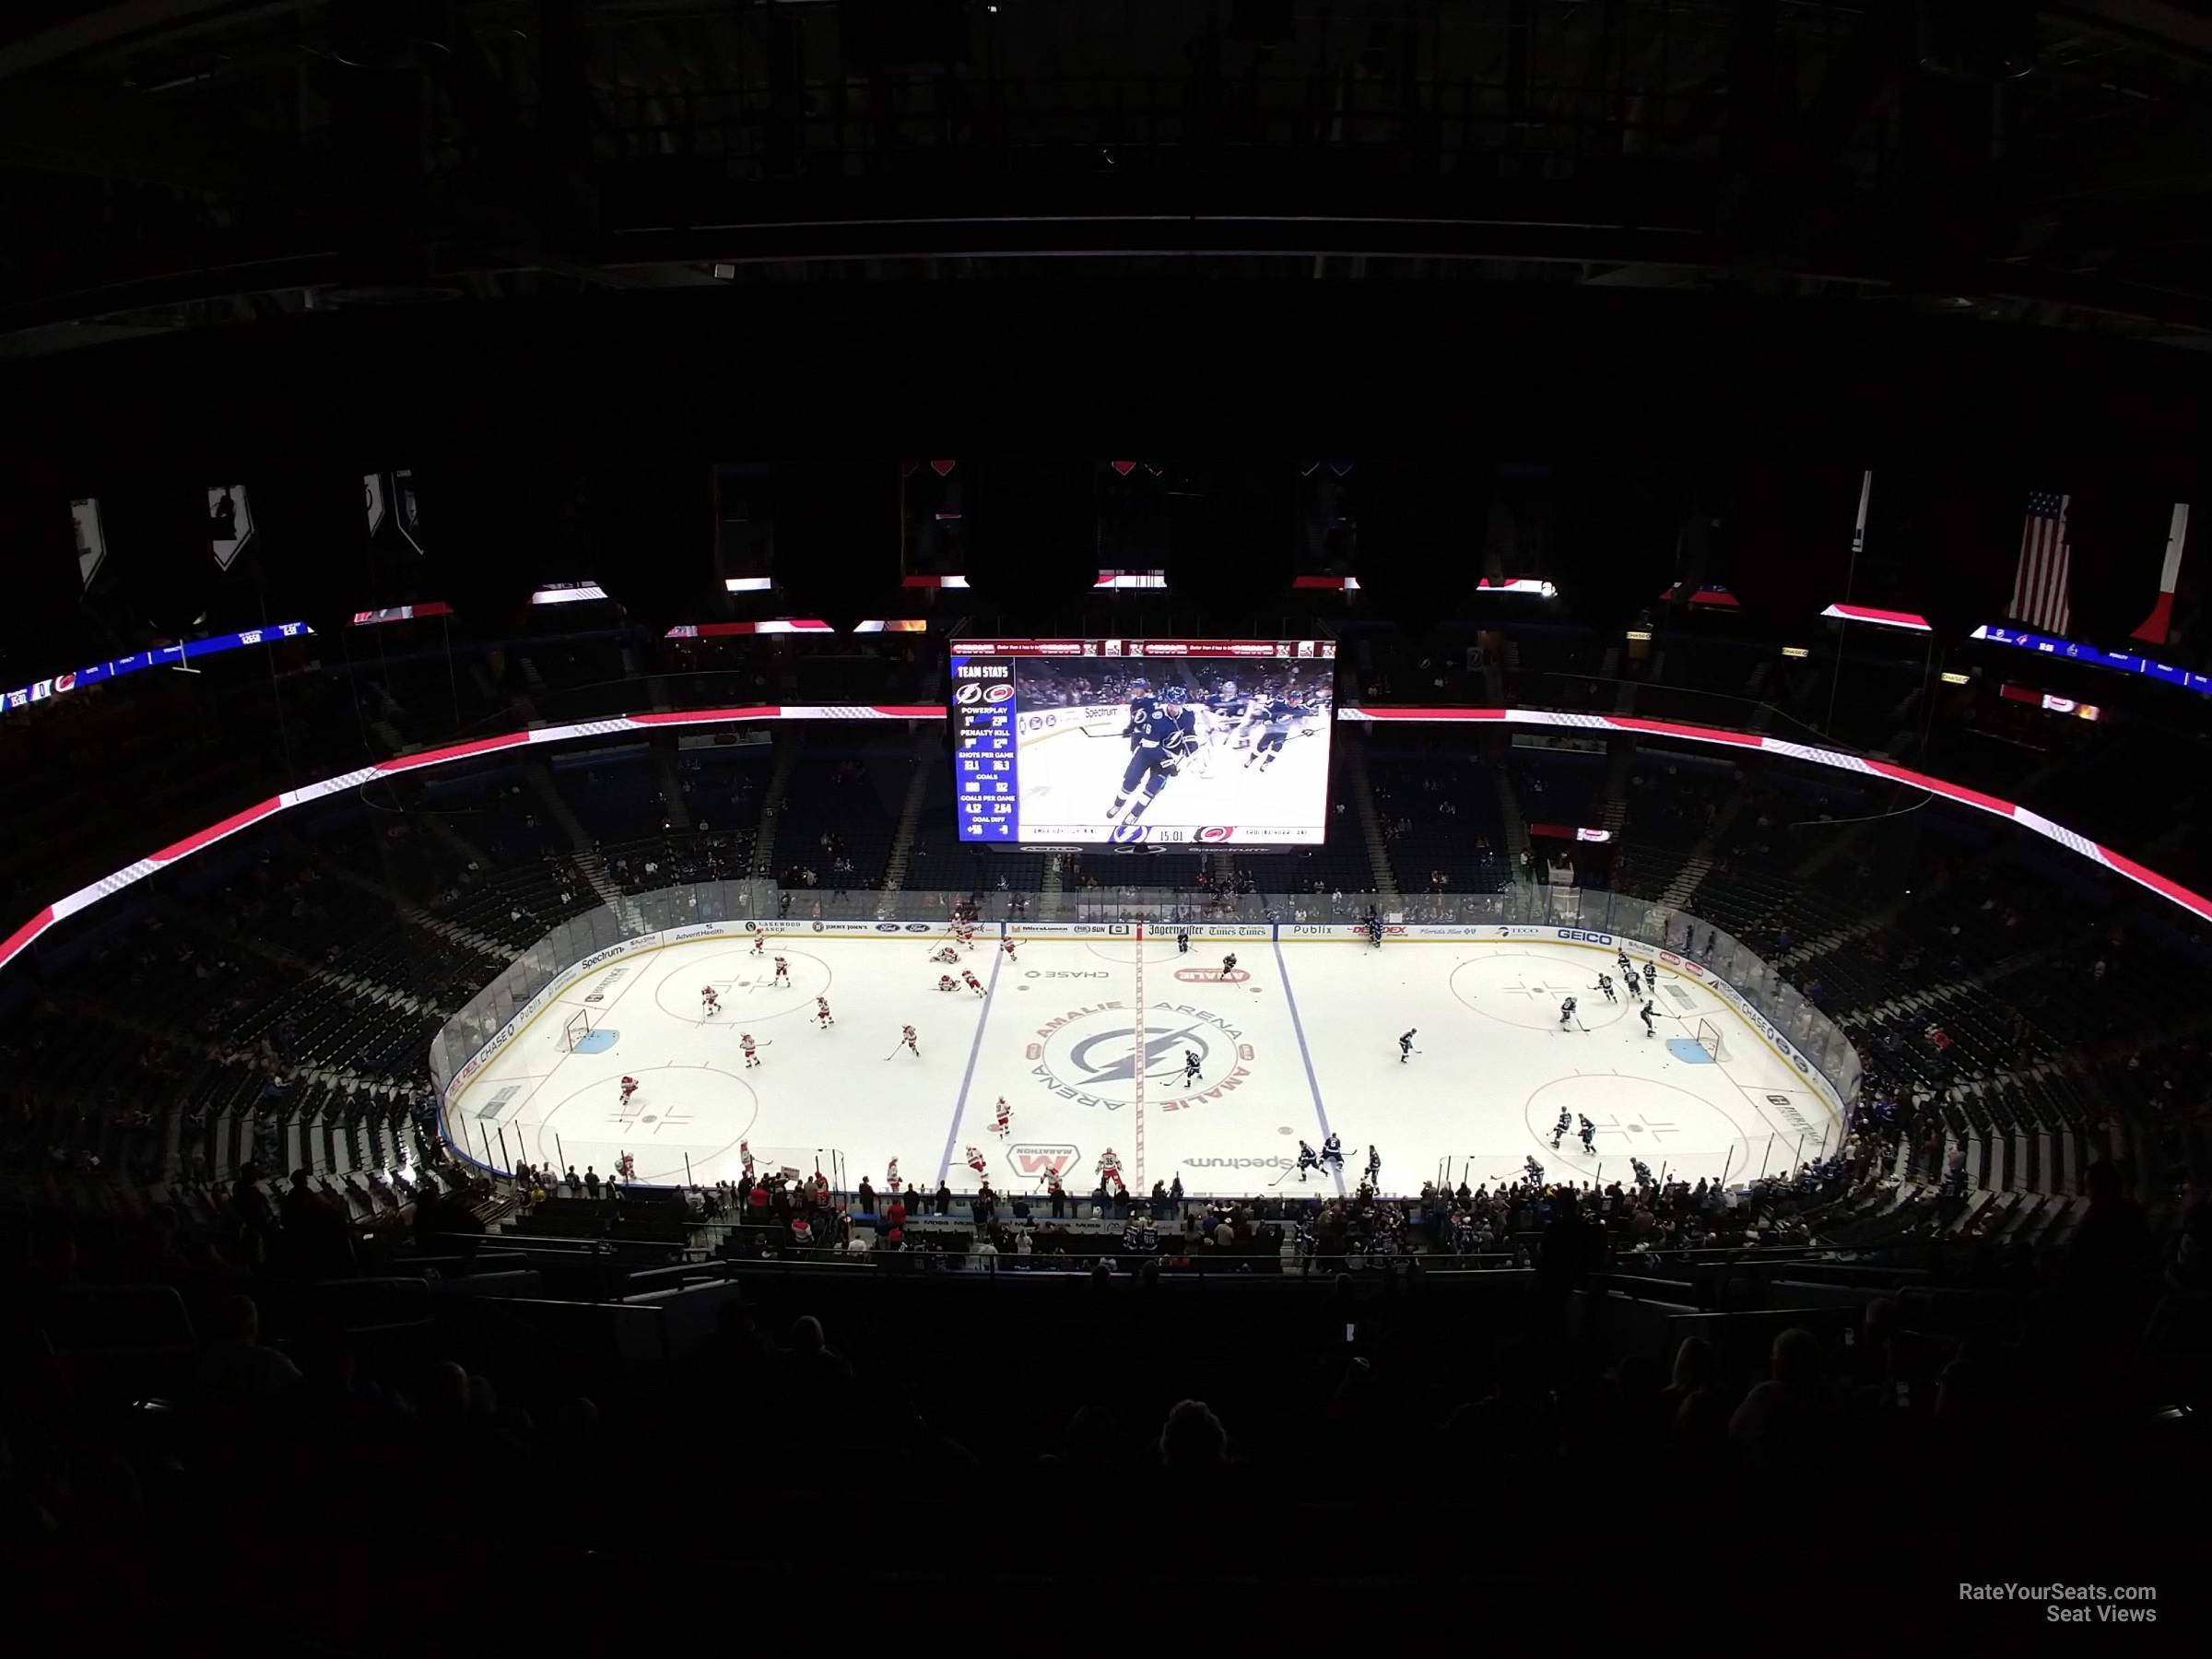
[
  {"x": 540, "y": 778},
  {"x": 1685, "y": 882},
  {"x": 788, "y": 741},
  {"x": 1518, "y": 867},
  {"x": 671, "y": 780},
  {"x": 1613, "y": 813},
  {"x": 1691, "y": 876},
  {"x": 1370, "y": 820},
  {"x": 405, "y": 907},
  {"x": 928, "y": 746}
]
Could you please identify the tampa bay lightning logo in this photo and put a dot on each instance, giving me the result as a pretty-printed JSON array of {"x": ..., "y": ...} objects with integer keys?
[
  {"x": 1126, "y": 832},
  {"x": 1110, "y": 1057}
]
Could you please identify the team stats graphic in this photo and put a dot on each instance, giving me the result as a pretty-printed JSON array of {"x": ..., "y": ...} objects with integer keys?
[{"x": 1142, "y": 742}]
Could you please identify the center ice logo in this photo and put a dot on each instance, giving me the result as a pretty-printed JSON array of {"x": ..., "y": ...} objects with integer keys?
[
  {"x": 1110, "y": 1057},
  {"x": 1091, "y": 1056}
]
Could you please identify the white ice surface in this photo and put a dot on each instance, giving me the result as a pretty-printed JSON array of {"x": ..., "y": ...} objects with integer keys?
[{"x": 1304, "y": 1040}]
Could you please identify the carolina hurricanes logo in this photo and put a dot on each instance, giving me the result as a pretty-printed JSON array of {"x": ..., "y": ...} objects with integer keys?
[
  {"x": 998, "y": 694},
  {"x": 1216, "y": 832}
]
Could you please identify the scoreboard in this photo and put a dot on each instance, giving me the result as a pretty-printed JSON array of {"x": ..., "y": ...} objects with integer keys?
[{"x": 984, "y": 779}]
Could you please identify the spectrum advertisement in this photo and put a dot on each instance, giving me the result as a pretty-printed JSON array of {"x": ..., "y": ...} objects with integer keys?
[{"x": 1220, "y": 742}]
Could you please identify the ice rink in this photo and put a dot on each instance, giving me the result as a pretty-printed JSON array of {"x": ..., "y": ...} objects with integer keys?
[{"x": 1087, "y": 1038}]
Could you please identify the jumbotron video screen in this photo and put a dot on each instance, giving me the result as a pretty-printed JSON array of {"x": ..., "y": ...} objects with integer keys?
[{"x": 1152, "y": 742}]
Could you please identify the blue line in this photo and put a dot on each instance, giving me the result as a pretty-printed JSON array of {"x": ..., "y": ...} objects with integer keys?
[
  {"x": 1297, "y": 1029},
  {"x": 959, "y": 1107}
]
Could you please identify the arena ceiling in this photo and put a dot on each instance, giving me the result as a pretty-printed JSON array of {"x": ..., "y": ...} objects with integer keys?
[{"x": 171, "y": 164}]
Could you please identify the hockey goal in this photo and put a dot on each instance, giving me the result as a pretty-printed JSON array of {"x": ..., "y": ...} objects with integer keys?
[
  {"x": 1709, "y": 1038},
  {"x": 579, "y": 1026}
]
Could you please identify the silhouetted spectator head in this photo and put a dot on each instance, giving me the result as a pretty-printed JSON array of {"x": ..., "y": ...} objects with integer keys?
[
  {"x": 1797, "y": 1356},
  {"x": 1693, "y": 1363},
  {"x": 1193, "y": 1437},
  {"x": 807, "y": 1335},
  {"x": 299, "y": 1179},
  {"x": 445, "y": 1396}
]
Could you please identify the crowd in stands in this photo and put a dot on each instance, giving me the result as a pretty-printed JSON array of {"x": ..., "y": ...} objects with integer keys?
[{"x": 302, "y": 1332}]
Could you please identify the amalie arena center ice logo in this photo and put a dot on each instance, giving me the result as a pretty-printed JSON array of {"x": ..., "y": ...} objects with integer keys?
[{"x": 1088, "y": 1055}]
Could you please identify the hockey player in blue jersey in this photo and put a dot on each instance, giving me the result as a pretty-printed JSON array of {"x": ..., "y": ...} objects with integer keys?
[{"x": 1164, "y": 739}]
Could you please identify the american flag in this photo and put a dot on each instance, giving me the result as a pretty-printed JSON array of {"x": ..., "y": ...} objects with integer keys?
[{"x": 2040, "y": 590}]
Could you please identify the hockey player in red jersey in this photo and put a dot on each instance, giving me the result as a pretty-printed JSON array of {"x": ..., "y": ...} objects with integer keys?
[
  {"x": 759, "y": 939},
  {"x": 782, "y": 973},
  {"x": 944, "y": 953},
  {"x": 1006, "y": 945},
  {"x": 821, "y": 1013},
  {"x": 906, "y": 1035},
  {"x": 710, "y": 1001},
  {"x": 974, "y": 984},
  {"x": 1109, "y": 1172},
  {"x": 946, "y": 982},
  {"x": 629, "y": 1086},
  {"x": 746, "y": 1042},
  {"x": 976, "y": 1161},
  {"x": 627, "y": 1166},
  {"x": 1005, "y": 1117},
  {"x": 745, "y": 1160},
  {"x": 890, "y": 1177}
]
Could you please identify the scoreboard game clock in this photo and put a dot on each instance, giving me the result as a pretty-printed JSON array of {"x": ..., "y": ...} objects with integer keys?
[{"x": 1200, "y": 743}]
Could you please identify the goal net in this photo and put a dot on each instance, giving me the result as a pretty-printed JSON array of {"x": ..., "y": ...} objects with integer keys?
[
  {"x": 577, "y": 1028},
  {"x": 1709, "y": 1038}
]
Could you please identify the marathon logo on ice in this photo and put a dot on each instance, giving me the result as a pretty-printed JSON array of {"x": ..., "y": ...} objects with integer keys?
[
  {"x": 983, "y": 671},
  {"x": 1030, "y": 1162},
  {"x": 1580, "y": 938}
]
